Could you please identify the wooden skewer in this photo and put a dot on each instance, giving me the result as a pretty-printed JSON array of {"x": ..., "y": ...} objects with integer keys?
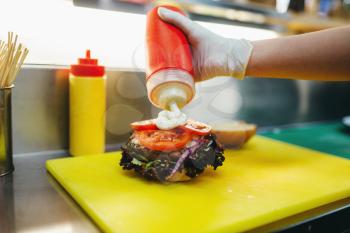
[
  {"x": 12, "y": 56},
  {"x": 24, "y": 55},
  {"x": 13, "y": 65},
  {"x": 7, "y": 59},
  {"x": 4, "y": 61},
  {"x": 4, "y": 56},
  {"x": 2, "y": 46},
  {"x": 3, "y": 50}
]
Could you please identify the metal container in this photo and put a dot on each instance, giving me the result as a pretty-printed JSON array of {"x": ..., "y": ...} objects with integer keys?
[{"x": 6, "y": 165}]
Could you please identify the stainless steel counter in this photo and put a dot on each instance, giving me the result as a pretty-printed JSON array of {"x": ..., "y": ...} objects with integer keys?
[{"x": 31, "y": 201}]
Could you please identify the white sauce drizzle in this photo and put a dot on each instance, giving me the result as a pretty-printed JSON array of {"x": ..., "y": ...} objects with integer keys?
[{"x": 171, "y": 119}]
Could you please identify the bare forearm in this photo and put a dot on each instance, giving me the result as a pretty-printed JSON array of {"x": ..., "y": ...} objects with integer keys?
[{"x": 323, "y": 55}]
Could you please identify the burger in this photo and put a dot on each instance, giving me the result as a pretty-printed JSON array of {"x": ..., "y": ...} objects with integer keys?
[{"x": 172, "y": 155}]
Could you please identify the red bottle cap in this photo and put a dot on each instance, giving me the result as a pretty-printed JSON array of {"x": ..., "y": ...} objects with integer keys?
[{"x": 87, "y": 67}]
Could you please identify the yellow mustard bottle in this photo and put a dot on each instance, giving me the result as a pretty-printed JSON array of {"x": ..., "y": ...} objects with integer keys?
[{"x": 87, "y": 105}]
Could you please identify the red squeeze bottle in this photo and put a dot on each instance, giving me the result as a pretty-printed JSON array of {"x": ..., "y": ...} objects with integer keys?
[{"x": 169, "y": 70}]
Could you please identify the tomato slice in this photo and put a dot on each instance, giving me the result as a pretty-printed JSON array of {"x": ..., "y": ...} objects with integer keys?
[
  {"x": 196, "y": 127},
  {"x": 163, "y": 140},
  {"x": 144, "y": 125}
]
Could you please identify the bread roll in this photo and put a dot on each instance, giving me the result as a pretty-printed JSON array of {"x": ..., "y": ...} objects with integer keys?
[{"x": 233, "y": 133}]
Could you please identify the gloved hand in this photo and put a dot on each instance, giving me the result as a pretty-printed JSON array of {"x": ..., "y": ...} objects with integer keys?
[{"x": 213, "y": 55}]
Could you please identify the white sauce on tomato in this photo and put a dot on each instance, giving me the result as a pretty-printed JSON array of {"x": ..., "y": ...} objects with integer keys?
[{"x": 171, "y": 119}]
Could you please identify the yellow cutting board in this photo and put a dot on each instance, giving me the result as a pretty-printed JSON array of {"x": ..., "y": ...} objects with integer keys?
[{"x": 265, "y": 181}]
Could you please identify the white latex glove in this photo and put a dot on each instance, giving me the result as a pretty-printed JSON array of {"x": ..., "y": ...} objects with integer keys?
[{"x": 213, "y": 55}]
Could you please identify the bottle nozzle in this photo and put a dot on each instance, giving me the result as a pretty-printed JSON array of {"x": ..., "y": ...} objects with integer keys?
[
  {"x": 174, "y": 107},
  {"x": 88, "y": 56},
  {"x": 170, "y": 85}
]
